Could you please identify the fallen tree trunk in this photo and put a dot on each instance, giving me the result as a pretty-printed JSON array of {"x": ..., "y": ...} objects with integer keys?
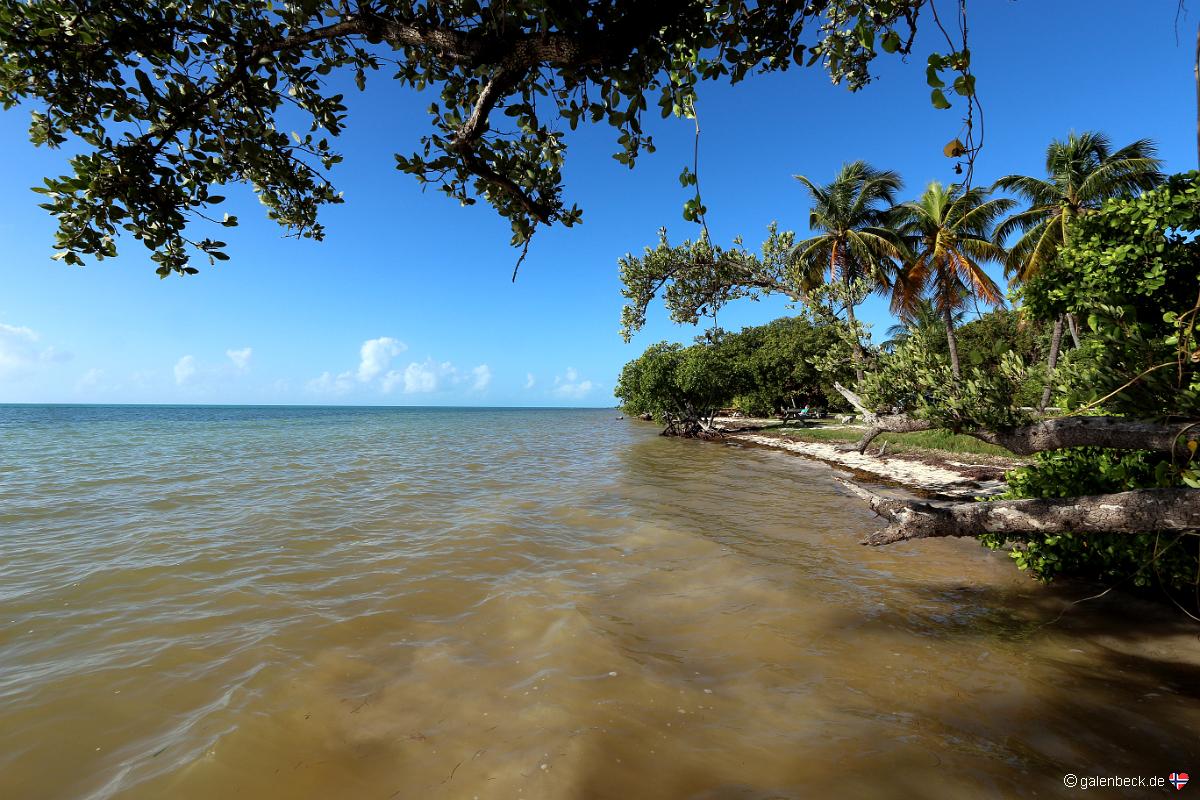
[
  {"x": 1116, "y": 433},
  {"x": 1138, "y": 511}
]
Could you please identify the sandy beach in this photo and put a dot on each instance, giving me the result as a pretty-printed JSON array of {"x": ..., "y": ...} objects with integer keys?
[{"x": 929, "y": 474}]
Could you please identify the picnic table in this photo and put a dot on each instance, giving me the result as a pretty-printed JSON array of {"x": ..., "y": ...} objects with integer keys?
[{"x": 798, "y": 415}]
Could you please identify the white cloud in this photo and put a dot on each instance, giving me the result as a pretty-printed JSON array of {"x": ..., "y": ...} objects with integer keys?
[
  {"x": 19, "y": 332},
  {"x": 185, "y": 368},
  {"x": 377, "y": 355},
  {"x": 483, "y": 378},
  {"x": 240, "y": 358},
  {"x": 391, "y": 380},
  {"x": 429, "y": 376},
  {"x": 529, "y": 380},
  {"x": 570, "y": 387},
  {"x": 328, "y": 384},
  {"x": 20, "y": 350},
  {"x": 419, "y": 377}
]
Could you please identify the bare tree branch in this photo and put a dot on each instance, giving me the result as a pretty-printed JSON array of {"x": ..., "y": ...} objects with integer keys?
[
  {"x": 1115, "y": 433},
  {"x": 1140, "y": 511}
]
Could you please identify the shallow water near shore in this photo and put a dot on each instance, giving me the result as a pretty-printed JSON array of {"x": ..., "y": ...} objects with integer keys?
[{"x": 454, "y": 603}]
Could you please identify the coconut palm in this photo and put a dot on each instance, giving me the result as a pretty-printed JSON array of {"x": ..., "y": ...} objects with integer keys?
[
  {"x": 852, "y": 241},
  {"x": 1082, "y": 172},
  {"x": 949, "y": 233},
  {"x": 918, "y": 316}
]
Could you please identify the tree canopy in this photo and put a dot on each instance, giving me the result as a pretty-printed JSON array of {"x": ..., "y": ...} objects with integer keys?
[
  {"x": 1082, "y": 171},
  {"x": 162, "y": 103},
  {"x": 949, "y": 236},
  {"x": 758, "y": 370}
]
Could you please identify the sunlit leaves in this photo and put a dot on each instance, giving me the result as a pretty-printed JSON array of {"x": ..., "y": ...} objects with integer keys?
[
  {"x": 167, "y": 101},
  {"x": 1131, "y": 271},
  {"x": 757, "y": 370},
  {"x": 696, "y": 278}
]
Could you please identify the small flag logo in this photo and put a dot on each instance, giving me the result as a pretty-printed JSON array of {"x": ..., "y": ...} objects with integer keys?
[{"x": 1178, "y": 779}]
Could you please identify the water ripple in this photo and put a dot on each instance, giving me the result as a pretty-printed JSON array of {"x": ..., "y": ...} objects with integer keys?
[{"x": 309, "y": 603}]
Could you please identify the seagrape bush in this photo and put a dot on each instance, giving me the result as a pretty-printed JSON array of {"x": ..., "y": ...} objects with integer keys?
[
  {"x": 1168, "y": 561},
  {"x": 917, "y": 380},
  {"x": 1132, "y": 272}
]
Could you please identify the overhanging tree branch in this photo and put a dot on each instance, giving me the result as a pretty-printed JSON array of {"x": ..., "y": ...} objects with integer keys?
[{"x": 167, "y": 101}]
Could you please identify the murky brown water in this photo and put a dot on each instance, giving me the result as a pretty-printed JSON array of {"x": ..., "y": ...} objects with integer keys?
[{"x": 283, "y": 603}]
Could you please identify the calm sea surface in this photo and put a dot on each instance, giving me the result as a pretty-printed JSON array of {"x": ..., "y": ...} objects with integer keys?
[{"x": 435, "y": 603}]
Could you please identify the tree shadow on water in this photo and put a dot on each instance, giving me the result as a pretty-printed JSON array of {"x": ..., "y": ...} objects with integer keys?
[{"x": 1093, "y": 685}]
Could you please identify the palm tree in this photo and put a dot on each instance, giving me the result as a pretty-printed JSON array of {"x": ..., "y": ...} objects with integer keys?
[
  {"x": 1082, "y": 172},
  {"x": 852, "y": 240},
  {"x": 918, "y": 316},
  {"x": 949, "y": 233}
]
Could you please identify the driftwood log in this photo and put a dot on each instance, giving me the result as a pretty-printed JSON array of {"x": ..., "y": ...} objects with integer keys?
[
  {"x": 1123, "y": 512},
  {"x": 1132, "y": 512}
]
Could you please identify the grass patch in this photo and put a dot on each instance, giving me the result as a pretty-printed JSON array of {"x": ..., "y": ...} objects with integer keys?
[{"x": 900, "y": 442}]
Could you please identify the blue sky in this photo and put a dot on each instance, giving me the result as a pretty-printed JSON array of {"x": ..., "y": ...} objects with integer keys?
[{"x": 408, "y": 301}]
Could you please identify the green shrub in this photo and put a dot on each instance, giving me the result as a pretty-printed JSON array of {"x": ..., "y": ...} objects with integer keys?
[{"x": 1169, "y": 560}]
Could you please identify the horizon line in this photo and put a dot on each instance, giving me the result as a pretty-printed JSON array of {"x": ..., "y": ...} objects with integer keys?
[{"x": 298, "y": 405}]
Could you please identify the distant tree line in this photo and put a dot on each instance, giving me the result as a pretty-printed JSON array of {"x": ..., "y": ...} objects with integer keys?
[{"x": 757, "y": 371}]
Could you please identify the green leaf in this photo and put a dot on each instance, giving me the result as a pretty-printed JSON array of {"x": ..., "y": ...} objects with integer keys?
[
  {"x": 939, "y": 99},
  {"x": 890, "y": 42},
  {"x": 145, "y": 84}
]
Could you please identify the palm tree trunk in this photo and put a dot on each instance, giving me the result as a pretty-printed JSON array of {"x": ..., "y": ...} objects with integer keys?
[
  {"x": 952, "y": 341},
  {"x": 1073, "y": 327},
  {"x": 1055, "y": 341},
  {"x": 858, "y": 349}
]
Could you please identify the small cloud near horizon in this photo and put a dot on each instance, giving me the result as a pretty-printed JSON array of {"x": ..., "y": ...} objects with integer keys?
[
  {"x": 376, "y": 355},
  {"x": 185, "y": 368},
  {"x": 483, "y": 378},
  {"x": 240, "y": 358},
  {"x": 430, "y": 376},
  {"x": 569, "y": 385},
  {"x": 419, "y": 377},
  {"x": 374, "y": 358},
  {"x": 21, "y": 351},
  {"x": 326, "y": 383}
]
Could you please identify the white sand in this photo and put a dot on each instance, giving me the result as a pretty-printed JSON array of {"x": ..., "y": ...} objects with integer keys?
[{"x": 913, "y": 474}]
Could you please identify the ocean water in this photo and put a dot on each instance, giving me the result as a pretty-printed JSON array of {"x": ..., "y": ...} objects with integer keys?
[{"x": 268, "y": 603}]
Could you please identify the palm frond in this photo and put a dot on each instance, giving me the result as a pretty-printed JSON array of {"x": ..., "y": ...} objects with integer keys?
[
  {"x": 1025, "y": 221},
  {"x": 1035, "y": 191},
  {"x": 983, "y": 217}
]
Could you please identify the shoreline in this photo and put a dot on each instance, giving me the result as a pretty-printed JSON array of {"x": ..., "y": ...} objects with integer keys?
[{"x": 925, "y": 475}]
